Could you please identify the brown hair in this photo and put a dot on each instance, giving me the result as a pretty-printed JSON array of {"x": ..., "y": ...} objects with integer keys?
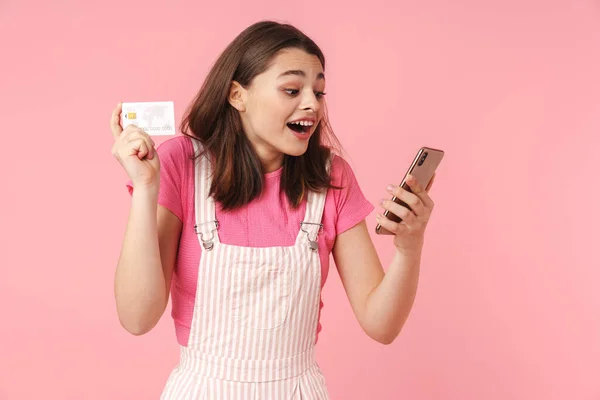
[{"x": 238, "y": 173}]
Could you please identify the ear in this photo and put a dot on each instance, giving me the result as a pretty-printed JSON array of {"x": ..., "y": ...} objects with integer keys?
[{"x": 237, "y": 96}]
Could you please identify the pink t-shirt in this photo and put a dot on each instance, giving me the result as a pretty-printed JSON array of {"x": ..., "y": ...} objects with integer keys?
[{"x": 267, "y": 221}]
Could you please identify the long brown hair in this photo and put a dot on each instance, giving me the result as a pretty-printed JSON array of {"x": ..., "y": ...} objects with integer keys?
[{"x": 238, "y": 173}]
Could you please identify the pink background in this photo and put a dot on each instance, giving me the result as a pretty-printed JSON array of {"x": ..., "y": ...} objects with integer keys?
[{"x": 508, "y": 305}]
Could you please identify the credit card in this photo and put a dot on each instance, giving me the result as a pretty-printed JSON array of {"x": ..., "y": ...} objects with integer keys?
[{"x": 153, "y": 117}]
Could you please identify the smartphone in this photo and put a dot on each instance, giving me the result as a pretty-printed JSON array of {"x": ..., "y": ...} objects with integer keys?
[{"x": 423, "y": 167}]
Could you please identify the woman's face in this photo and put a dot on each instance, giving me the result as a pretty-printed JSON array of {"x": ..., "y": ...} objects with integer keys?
[{"x": 282, "y": 107}]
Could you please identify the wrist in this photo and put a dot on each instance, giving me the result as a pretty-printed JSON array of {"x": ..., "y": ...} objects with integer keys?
[
  {"x": 145, "y": 190},
  {"x": 413, "y": 252}
]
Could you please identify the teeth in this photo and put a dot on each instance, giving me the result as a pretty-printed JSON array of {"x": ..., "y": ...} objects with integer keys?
[{"x": 303, "y": 123}]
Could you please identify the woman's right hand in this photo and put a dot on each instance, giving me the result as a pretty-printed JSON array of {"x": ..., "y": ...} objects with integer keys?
[{"x": 134, "y": 149}]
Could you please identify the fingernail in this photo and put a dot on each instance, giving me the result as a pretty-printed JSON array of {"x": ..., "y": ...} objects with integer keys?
[
  {"x": 381, "y": 202},
  {"x": 390, "y": 188}
]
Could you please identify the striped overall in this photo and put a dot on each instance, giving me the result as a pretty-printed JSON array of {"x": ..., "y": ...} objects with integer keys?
[{"x": 255, "y": 315}]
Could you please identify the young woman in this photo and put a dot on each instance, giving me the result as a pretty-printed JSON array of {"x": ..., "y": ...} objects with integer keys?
[{"x": 236, "y": 219}]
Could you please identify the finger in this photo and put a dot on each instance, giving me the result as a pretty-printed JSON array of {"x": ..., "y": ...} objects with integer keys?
[
  {"x": 398, "y": 210},
  {"x": 129, "y": 130},
  {"x": 138, "y": 148},
  {"x": 146, "y": 151},
  {"x": 411, "y": 200},
  {"x": 418, "y": 190},
  {"x": 115, "y": 122},
  {"x": 390, "y": 226},
  {"x": 137, "y": 133},
  {"x": 143, "y": 150},
  {"x": 151, "y": 153}
]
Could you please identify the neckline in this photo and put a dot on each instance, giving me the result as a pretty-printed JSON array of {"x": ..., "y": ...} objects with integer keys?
[{"x": 274, "y": 174}]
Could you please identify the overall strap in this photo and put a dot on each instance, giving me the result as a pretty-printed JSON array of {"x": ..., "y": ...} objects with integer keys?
[
  {"x": 206, "y": 221},
  {"x": 312, "y": 224}
]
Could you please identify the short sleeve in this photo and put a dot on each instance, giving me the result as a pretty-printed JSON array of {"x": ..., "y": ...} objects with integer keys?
[
  {"x": 351, "y": 204},
  {"x": 172, "y": 156}
]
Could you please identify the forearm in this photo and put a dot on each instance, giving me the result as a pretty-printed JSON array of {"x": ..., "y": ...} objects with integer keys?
[
  {"x": 140, "y": 288},
  {"x": 389, "y": 304}
]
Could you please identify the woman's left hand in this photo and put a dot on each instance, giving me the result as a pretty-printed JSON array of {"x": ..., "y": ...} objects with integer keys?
[{"x": 410, "y": 232}]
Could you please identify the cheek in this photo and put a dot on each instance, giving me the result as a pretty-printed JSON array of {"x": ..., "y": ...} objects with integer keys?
[
  {"x": 274, "y": 115},
  {"x": 268, "y": 114},
  {"x": 267, "y": 123},
  {"x": 267, "y": 119}
]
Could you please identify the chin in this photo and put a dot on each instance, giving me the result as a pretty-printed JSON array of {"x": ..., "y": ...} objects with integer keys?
[
  {"x": 296, "y": 145},
  {"x": 295, "y": 151}
]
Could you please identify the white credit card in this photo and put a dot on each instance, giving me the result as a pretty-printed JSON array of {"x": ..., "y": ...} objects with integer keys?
[{"x": 153, "y": 117}]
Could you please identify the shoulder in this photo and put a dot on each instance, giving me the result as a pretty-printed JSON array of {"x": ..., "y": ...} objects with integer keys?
[
  {"x": 175, "y": 154},
  {"x": 341, "y": 172},
  {"x": 178, "y": 146},
  {"x": 176, "y": 161},
  {"x": 347, "y": 203}
]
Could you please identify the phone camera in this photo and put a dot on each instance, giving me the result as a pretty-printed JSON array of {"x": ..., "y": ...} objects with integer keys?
[{"x": 422, "y": 160}]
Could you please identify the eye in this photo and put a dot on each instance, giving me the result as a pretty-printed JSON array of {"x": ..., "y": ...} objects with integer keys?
[{"x": 294, "y": 92}]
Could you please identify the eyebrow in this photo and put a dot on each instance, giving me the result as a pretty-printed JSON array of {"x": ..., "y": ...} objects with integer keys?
[{"x": 299, "y": 72}]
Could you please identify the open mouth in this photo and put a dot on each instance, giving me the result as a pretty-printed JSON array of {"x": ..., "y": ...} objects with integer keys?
[{"x": 300, "y": 126}]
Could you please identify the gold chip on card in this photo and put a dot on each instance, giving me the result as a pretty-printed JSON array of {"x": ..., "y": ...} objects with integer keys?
[{"x": 131, "y": 115}]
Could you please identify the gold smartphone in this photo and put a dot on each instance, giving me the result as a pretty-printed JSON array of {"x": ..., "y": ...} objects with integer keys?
[{"x": 423, "y": 167}]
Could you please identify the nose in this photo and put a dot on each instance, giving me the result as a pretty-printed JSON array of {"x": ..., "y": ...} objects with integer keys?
[{"x": 310, "y": 101}]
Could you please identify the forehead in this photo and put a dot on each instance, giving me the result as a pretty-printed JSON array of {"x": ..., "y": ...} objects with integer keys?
[{"x": 296, "y": 60}]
